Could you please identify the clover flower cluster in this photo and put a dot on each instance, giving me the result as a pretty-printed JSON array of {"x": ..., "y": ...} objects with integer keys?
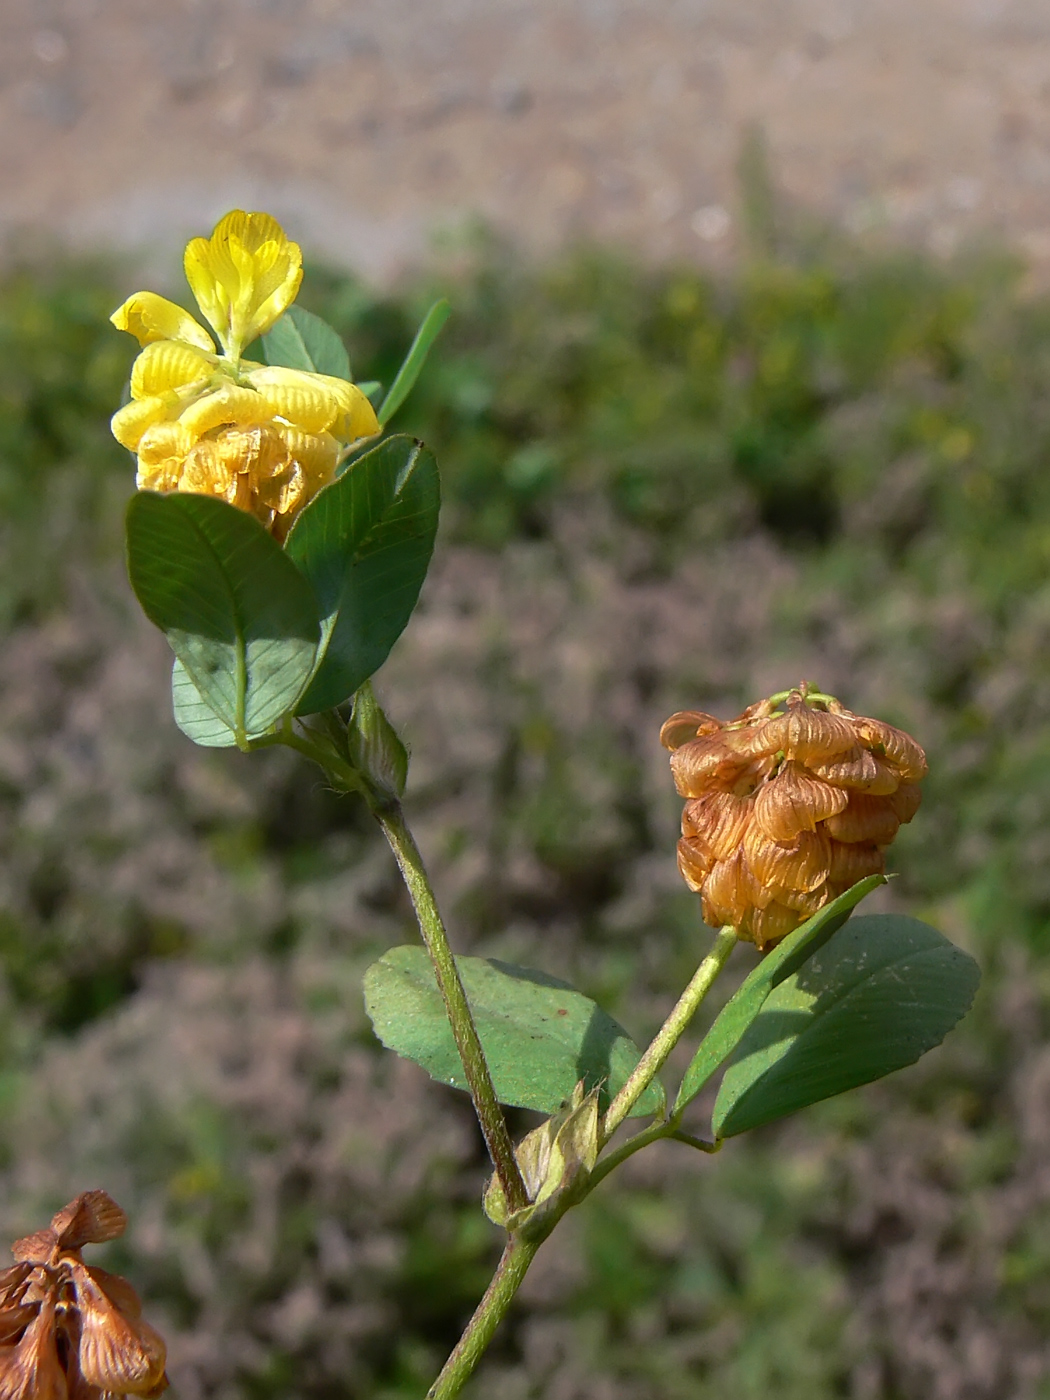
[
  {"x": 787, "y": 808},
  {"x": 263, "y": 438},
  {"x": 69, "y": 1331}
]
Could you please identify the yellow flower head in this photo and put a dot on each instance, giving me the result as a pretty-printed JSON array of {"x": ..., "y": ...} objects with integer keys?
[{"x": 264, "y": 438}]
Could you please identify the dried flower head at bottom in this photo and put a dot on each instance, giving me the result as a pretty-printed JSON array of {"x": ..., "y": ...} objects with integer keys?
[
  {"x": 68, "y": 1330},
  {"x": 787, "y": 806}
]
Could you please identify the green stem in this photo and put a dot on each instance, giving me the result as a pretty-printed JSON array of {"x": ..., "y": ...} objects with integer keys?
[
  {"x": 388, "y": 814},
  {"x": 669, "y": 1034},
  {"x": 479, "y": 1080},
  {"x": 489, "y": 1313}
]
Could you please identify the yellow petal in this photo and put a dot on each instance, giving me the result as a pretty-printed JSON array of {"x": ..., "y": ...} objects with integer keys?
[
  {"x": 168, "y": 364},
  {"x": 161, "y": 441},
  {"x": 229, "y": 405},
  {"x": 244, "y": 276},
  {"x": 311, "y": 402},
  {"x": 130, "y": 422},
  {"x": 358, "y": 420},
  {"x": 149, "y": 317},
  {"x": 316, "y": 453}
]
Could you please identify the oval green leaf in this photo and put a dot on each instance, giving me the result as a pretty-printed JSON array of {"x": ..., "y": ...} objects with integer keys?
[
  {"x": 364, "y": 543},
  {"x": 883, "y": 991},
  {"x": 540, "y": 1036},
  {"x": 301, "y": 340},
  {"x": 238, "y": 614},
  {"x": 742, "y": 1008}
]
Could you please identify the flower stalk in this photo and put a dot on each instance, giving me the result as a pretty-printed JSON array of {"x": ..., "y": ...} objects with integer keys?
[{"x": 669, "y": 1034}]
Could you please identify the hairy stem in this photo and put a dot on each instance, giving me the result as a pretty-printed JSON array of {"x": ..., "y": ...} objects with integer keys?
[
  {"x": 669, "y": 1034},
  {"x": 489, "y": 1313},
  {"x": 387, "y": 812},
  {"x": 475, "y": 1067}
]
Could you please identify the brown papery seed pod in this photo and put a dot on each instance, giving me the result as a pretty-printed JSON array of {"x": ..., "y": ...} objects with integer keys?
[
  {"x": 789, "y": 804},
  {"x": 67, "y": 1328}
]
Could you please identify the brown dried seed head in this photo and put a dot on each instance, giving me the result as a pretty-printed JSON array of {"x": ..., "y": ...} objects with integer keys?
[
  {"x": 787, "y": 810},
  {"x": 68, "y": 1331}
]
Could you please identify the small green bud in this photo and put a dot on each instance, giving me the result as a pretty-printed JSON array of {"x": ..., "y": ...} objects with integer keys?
[
  {"x": 374, "y": 747},
  {"x": 556, "y": 1160}
]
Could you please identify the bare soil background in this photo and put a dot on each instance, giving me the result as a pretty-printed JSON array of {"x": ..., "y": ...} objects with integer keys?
[{"x": 365, "y": 124}]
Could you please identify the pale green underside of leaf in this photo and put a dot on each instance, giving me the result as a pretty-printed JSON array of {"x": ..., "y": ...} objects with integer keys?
[{"x": 197, "y": 720}]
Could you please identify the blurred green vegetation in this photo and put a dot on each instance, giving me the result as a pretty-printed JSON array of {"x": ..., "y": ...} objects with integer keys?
[{"x": 882, "y": 421}]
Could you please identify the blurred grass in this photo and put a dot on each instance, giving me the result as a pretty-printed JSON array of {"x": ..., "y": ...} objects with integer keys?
[{"x": 878, "y": 425}]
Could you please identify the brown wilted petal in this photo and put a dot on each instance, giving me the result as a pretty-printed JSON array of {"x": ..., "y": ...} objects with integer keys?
[
  {"x": 854, "y": 861},
  {"x": 694, "y": 862},
  {"x": 766, "y": 926},
  {"x": 92, "y": 1218},
  {"x": 117, "y": 1353},
  {"x": 807, "y": 734},
  {"x": 801, "y": 864},
  {"x": 730, "y": 892},
  {"x": 119, "y": 1292},
  {"x": 36, "y": 1248},
  {"x": 795, "y": 801},
  {"x": 12, "y": 1283},
  {"x": 900, "y": 748},
  {"x": 686, "y": 725},
  {"x": 906, "y": 801},
  {"x": 31, "y": 1370},
  {"x": 702, "y": 761},
  {"x": 859, "y": 770},
  {"x": 803, "y": 902},
  {"x": 866, "y": 819},
  {"x": 717, "y": 821}
]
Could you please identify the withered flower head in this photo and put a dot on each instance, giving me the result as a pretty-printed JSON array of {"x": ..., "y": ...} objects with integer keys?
[
  {"x": 788, "y": 805},
  {"x": 69, "y": 1331}
]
